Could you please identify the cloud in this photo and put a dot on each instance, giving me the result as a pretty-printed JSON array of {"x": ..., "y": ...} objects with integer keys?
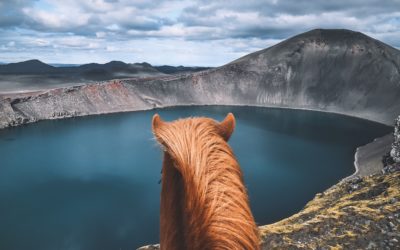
[
  {"x": 279, "y": 19},
  {"x": 81, "y": 17},
  {"x": 11, "y": 13},
  {"x": 191, "y": 31}
]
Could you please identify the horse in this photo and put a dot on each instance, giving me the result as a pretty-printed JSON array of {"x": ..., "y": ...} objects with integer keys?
[{"x": 204, "y": 203}]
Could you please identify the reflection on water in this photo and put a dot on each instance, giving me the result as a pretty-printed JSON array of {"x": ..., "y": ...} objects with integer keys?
[{"x": 92, "y": 182}]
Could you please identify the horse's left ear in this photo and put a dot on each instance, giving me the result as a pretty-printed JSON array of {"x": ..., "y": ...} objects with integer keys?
[
  {"x": 227, "y": 126},
  {"x": 156, "y": 124}
]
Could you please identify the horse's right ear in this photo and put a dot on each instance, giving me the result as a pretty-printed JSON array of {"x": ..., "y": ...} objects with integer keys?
[
  {"x": 156, "y": 123},
  {"x": 227, "y": 126}
]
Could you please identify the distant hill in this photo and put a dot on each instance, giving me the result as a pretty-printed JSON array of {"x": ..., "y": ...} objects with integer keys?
[
  {"x": 27, "y": 67},
  {"x": 112, "y": 70},
  {"x": 94, "y": 70}
]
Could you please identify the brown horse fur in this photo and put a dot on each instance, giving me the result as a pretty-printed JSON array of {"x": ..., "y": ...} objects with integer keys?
[{"x": 204, "y": 204}]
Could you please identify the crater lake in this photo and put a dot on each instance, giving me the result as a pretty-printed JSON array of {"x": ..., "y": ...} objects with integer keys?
[{"x": 93, "y": 182}]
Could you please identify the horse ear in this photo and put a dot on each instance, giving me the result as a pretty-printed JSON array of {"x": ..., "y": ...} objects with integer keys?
[
  {"x": 227, "y": 126},
  {"x": 156, "y": 123}
]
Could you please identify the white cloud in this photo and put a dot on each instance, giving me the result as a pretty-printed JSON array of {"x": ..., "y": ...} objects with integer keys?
[
  {"x": 101, "y": 34},
  {"x": 112, "y": 48},
  {"x": 59, "y": 19},
  {"x": 39, "y": 42}
]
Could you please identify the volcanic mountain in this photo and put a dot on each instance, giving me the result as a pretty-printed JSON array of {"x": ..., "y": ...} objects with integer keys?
[
  {"x": 339, "y": 71},
  {"x": 330, "y": 70}
]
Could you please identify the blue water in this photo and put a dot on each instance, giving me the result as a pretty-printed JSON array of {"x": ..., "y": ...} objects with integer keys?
[{"x": 92, "y": 182}]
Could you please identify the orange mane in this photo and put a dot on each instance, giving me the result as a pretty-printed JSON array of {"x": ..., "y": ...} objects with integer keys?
[{"x": 204, "y": 204}]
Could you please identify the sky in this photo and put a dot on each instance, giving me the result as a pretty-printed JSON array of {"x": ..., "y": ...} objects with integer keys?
[{"x": 176, "y": 32}]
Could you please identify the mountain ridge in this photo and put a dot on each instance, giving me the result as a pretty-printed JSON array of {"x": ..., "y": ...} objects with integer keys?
[
  {"x": 35, "y": 66},
  {"x": 36, "y": 75}
]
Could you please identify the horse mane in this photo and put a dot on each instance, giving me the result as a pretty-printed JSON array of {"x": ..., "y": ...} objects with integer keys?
[{"x": 204, "y": 203}]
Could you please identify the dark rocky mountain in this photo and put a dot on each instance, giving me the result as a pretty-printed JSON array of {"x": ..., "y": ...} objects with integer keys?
[
  {"x": 338, "y": 71},
  {"x": 27, "y": 67}
]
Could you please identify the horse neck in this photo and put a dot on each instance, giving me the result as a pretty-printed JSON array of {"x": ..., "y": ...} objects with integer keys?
[
  {"x": 204, "y": 202},
  {"x": 171, "y": 224}
]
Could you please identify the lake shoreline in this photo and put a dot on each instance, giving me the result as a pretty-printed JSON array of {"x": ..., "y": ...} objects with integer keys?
[{"x": 10, "y": 99}]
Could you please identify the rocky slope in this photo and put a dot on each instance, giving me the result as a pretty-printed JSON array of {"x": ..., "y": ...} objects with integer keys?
[
  {"x": 362, "y": 213},
  {"x": 69, "y": 102},
  {"x": 328, "y": 70}
]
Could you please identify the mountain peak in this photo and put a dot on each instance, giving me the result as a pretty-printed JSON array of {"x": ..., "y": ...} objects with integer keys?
[
  {"x": 115, "y": 63},
  {"x": 144, "y": 64},
  {"x": 33, "y": 61},
  {"x": 333, "y": 34},
  {"x": 317, "y": 41}
]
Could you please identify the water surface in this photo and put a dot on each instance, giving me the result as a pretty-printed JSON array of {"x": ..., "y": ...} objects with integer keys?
[{"x": 92, "y": 182}]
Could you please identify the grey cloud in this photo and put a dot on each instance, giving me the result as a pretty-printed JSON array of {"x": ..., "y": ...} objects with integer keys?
[
  {"x": 204, "y": 14},
  {"x": 145, "y": 23},
  {"x": 98, "y": 27},
  {"x": 301, "y": 7},
  {"x": 11, "y": 14},
  {"x": 356, "y": 14}
]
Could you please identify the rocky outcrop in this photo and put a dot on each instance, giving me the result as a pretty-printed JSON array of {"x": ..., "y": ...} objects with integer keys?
[
  {"x": 368, "y": 158},
  {"x": 395, "y": 152},
  {"x": 337, "y": 71}
]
